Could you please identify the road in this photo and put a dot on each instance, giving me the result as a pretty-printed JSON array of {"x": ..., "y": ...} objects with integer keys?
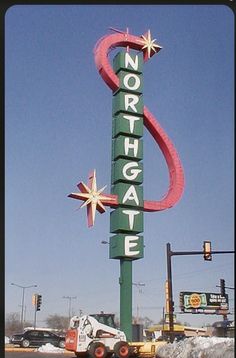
[{"x": 30, "y": 354}]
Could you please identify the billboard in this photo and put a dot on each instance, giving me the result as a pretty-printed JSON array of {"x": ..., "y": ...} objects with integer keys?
[{"x": 203, "y": 302}]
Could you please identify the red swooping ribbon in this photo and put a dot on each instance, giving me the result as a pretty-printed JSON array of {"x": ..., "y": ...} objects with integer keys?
[{"x": 176, "y": 174}]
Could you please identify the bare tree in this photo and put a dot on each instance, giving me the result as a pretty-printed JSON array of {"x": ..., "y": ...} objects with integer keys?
[
  {"x": 57, "y": 322},
  {"x": 147, "y": 322},
  {"x": 13, "y": 324}
]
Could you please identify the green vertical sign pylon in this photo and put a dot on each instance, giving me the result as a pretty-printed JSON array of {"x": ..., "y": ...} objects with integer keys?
[
  {"x": 126, "y": 221},
  {"x": 125, "y": 281}
]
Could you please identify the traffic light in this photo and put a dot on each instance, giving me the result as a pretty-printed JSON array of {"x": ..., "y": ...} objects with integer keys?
[
  {"x": 38, "y": 303},
  {"x": 167, "y": 296},
  {"x": 222, "y": 287},
  {"x": 34, "y": 299},
  {"x": 207, "y": 250}
]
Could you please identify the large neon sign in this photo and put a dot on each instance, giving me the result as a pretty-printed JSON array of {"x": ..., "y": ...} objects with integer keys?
[{"x": 130, "y": 115}]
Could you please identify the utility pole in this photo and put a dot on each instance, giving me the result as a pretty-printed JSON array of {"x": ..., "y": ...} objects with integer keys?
[
  {"x": 69, "y": 298},
  {"x": 163, "y": 320},
  {"x": 138, "y": 285},
  {"x": 170, "y": 292}
]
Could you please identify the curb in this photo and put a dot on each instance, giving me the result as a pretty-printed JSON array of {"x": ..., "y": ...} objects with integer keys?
[{"x": 9, "y": 349}]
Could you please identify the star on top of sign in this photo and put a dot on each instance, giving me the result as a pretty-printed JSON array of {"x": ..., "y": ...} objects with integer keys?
[
  {"x": 149, "y": 46},
  {"x": 92, "y": 197}
]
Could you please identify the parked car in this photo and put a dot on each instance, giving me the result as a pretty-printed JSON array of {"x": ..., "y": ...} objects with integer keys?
[{"x": 36, "y": 338}]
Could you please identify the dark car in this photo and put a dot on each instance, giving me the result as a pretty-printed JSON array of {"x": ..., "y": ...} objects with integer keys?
[{"x": 36, "y": 338}]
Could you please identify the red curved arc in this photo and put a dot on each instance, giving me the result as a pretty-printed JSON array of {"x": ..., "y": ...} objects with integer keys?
[
  {"x": 102, "y": 49},
  {"x": 176, "y": 174}
]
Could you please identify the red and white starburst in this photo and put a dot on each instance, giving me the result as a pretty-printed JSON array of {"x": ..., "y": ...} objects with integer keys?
[
  {"x": 148, "y": 45},
  {"x": 93, "y": 198}
]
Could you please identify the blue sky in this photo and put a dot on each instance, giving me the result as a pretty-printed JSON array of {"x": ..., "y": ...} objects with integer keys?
[{"x": 58, "y": 115}]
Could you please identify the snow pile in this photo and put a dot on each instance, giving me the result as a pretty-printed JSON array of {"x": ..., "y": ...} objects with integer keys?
[
  {"x": 49, "y": 348},
  {"x": 7, "y": 340},
  {"x": 198, "y": 347}
]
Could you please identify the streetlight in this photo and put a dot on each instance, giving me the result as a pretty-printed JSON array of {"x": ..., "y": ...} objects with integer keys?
[
  {"x": 22, "y": 301},
  {"x": 69, "y": 298},
  {"x": 24, "y": 312}
]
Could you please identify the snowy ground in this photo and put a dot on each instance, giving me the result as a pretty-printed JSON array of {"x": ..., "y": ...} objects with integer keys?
[
  {"x": 49, "y": 348},
  {"x": 46, "y": 348},
  {"x": 198, "y": 347},
  {"x": 195, "y": 347}
]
